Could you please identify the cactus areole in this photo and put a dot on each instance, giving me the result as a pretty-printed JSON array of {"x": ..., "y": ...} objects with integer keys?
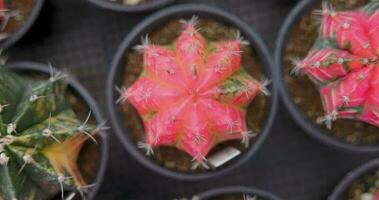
[
  {"x": 40, "y": 138},
  {"x": 193, "y": 94},
  {"x": 344, "y": 64}
]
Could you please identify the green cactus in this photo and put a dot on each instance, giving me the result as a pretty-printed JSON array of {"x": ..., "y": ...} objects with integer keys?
[{"x": 40, "y": 138}]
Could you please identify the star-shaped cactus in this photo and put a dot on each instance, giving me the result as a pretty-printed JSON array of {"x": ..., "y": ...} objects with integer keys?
[
  {"x": 40, "y": 138},
  {"x": 193, "y": 94},
  {"x": 344, "y": 64}
]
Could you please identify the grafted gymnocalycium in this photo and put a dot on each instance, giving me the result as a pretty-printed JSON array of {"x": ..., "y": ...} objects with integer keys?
[
  {"x": 193, "y": 94},
  {"x": 344, "y": 64},
  {"x": 40, "y": 138}
]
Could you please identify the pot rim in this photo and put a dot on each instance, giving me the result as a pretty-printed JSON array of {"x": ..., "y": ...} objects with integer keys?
[
  {"x": 237, "y": 189},
  {"x": 85, "y": 95},
  {"x": 155, "y": 21},
  {"x": 301, "y": 119},
  {"x": 131, "y": 9},
  {"x": 25, "y": 27},
  {"x": 353, "y": 176}
]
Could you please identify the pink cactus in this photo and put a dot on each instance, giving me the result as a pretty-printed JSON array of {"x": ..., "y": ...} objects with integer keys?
[
  {"x": 193, "y": 94},
  {"x": 344, "y": 64}
]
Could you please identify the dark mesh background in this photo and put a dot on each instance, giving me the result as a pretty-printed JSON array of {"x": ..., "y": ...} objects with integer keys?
[{"x": 76, "y": 35}]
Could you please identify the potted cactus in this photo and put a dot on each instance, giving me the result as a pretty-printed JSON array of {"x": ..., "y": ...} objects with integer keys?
[
  {"x": 131, "y": 5},
  {"x": 235, "y": 193},
  {"x": 360, "y": 184},
  {"x": 194, "y": 94},
  {"x": 49, "y": 144},
  {"x": 16, "y": 17},
  {"x": 333, "y": 45}
]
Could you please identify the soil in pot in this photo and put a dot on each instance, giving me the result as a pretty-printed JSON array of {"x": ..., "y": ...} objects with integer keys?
[
  {"x": 172, "y": 158},
  {"x": 365, "y": 186},
  {"x": 24, "y": 8},
  {"x": 89, "y": 157},
  {"x": 303, "y": 91}
]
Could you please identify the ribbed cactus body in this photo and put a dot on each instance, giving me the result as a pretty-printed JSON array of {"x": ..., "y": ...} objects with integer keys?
[
  {"x": 344, "y": 64},
  {"x": 193, "y": 93},
  {"x": 40, "y": 138}
]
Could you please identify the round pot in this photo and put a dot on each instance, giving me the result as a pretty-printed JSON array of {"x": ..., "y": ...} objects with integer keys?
[
  {"x": 236, "y": 190},
  {"x": 24, "y": 28},
  {"x": 82, "y": 93},
  {"x": 153, "y": 5},
  {"x": 148, "y": 25},
  {"x": 339, "y": 192},
  {"x": 306, "y": 123}
]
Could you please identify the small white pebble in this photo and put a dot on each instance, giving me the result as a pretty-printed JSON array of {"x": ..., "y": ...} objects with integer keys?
[{"x": 367, "y": 196}]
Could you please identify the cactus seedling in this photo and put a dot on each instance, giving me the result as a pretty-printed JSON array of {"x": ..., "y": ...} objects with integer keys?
[
  {"x": 40, "y": 138},
  {"x": 193, "y": 94},
  {"x": 343, "y": 64}
]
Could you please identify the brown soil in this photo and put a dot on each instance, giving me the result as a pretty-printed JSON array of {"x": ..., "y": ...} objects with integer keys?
[
  {"x": 89, "y": 158},
  {"x": 24, "y": 7},
  {"x": 368, "y": 183},
  {"x": 304, "y": 91},
  {"x": 172, "y": 158}
]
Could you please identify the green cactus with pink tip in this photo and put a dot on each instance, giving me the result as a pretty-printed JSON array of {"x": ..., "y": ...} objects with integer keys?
[{"x": 40, "y": 138}]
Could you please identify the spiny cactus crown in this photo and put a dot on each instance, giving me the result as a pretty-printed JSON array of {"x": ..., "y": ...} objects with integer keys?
[
  {"x": 40, "y": 138},
  {"x": 193, "y": 94},
  {"x": 344, "y": 64}
]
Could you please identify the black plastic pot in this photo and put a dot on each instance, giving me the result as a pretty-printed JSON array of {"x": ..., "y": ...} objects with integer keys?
[
  {"x": 231, "y": 190},
  {"x": 305, "y": 123},
  {"x": 156, "y": 20},
  {"x": 24, "y": 28},
  {"x": 149, "y": 6},
  {"x": 339, "y": 193},
  {"x": 76, "y": 87}
]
